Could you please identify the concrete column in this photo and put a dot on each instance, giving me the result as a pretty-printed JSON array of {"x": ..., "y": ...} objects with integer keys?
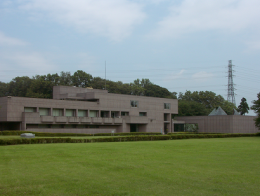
[{"x": 23, "y": 121}]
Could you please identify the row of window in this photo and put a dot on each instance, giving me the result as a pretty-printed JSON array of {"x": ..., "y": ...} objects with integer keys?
[
  {"x": 81, "y": 113},
  {"x": 72, "y": 112},
  {"x": 134, "y": 104}
]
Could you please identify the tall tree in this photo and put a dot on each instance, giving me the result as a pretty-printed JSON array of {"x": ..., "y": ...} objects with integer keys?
[
  {"x": 65, "y": 79},
  {"x": 256, "y": 108},
  {"x": 4, "y": 89},
  {"x": 208, "y": 100},
  {"x": 191, "y": 108},
  {"x": 82, "y": 79},
  {"x": 243, "y": 107},
  {"x": 19, "y": 86}
]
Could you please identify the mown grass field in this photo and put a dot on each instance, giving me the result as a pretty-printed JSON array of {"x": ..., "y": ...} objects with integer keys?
[{"x": 223, "y": 166}]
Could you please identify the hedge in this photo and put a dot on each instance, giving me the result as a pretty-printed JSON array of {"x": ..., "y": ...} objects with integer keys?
[{"x": 118, "y": 139}]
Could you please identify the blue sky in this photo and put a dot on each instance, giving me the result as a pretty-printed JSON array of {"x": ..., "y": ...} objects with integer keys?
[{"x": 181, "y": 45}]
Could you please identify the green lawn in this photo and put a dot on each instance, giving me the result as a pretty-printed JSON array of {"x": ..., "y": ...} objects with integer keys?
[{"x": 228, "y": 166}]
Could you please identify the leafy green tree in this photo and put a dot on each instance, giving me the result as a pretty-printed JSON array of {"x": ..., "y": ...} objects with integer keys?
[
  {"x": 19, "y": 86},
  {"x": 208, "y": 100},
  {"x": 65, "y": 79},
  {"x": 256, "y": 108},
  {"x": 82, "y": 79},
  {"x": 191, "y": 108},
  {"x": 243, "y": 107},
  {"x": 4, "y": 89},
  {"x": 227, "y": 107},
  {"x": 41, "y": 86},
  {"x": 137, "y": 88}
]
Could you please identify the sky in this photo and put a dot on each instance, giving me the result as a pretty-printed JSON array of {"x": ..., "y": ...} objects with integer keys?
[{"x": 178, "y": 44}]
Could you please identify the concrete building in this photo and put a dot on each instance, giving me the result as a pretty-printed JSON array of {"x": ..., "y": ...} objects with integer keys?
[{"x": 83, "y": 110}]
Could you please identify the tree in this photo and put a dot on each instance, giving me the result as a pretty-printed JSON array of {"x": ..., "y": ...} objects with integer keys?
[
  {"x": 19, "y": 86},
  {"x": 65, "y": 79},
  {"x": 243, "y": 107},
  {"x": 4, "y": 89},
  {"x": 206, "y": 100},
  {"x": 81, "y": 79},
  {"x": 256, "y": 108},
  {"x": 191, "y": 108}
]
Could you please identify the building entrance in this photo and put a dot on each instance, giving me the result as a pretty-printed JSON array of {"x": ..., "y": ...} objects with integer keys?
[{"x": 133, "y": 128}]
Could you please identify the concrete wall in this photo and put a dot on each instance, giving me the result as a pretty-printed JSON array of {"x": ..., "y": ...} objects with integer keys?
[
  {"x": 222, "y": 124},
  {"x": 3, "y": 109}
]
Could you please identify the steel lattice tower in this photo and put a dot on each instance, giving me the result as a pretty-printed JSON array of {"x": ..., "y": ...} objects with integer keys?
[{"x": 231, "y": 89}]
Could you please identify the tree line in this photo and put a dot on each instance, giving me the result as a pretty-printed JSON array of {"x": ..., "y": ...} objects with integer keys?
[
  {"x": 40, "y": 86},
  {"x": 197, "y": 103}
]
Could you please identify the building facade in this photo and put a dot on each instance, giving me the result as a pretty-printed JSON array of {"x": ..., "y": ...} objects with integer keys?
[{"x": 83, "y": 110}]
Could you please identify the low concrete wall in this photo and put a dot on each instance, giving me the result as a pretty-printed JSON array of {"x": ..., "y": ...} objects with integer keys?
[
  {"x": 222, "y": 124},
  {"x": 91, "y": 131}
]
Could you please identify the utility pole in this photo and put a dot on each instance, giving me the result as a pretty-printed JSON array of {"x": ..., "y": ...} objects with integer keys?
[
  {"x": 105, "y": 75},
  {"x": 231, "y": 89}
]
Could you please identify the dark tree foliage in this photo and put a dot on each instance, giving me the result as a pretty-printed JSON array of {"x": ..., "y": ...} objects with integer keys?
[
  {"x": 81, "y": 79},
  {"x": 4, "y": 89},
  {"x": 256, "y": 108},
  {"x": 243, "y": 107},
  {"x": 191, "y": 108},
  {"x": 19, "y": 86},
  {"x": 205, "y": 101},
  {"x": 40, "y": 86}
]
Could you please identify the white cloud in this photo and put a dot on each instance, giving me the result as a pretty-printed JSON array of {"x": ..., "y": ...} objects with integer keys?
[
  {"x": 19, "y": 60},
  {"x": 9, "y": 41},
  {"x": 202, "y": 15},
  {"x": 201, "y": 76},
  {"x": 151, "y": 1},
  {"x": 31, "y": 62},
  {"x": 253, "y": 45},
  {"x": 110, "y": 18},
  {"x": 175, "y": 76}
]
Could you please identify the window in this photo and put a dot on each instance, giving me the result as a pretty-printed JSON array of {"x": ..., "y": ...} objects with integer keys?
[
  {"x": 70, "y": 112},
  {"x": 134, "y": 104},
  {"x": 43, "y": 126},
  {"x": 44, "y": 111},
  {"x": 167, "y": 106},
  {"x": 104, "y": 114},
  {"x": 142, "y": 114},
  {"x": 115, "y": 114},
  {"x": 57, "y": 112},
  {"x": 124, "y": 113},
  {"x": 29, "y": 109},
  {"x": 93, "y": 113},
  {"x": 82, "y": 113}
]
